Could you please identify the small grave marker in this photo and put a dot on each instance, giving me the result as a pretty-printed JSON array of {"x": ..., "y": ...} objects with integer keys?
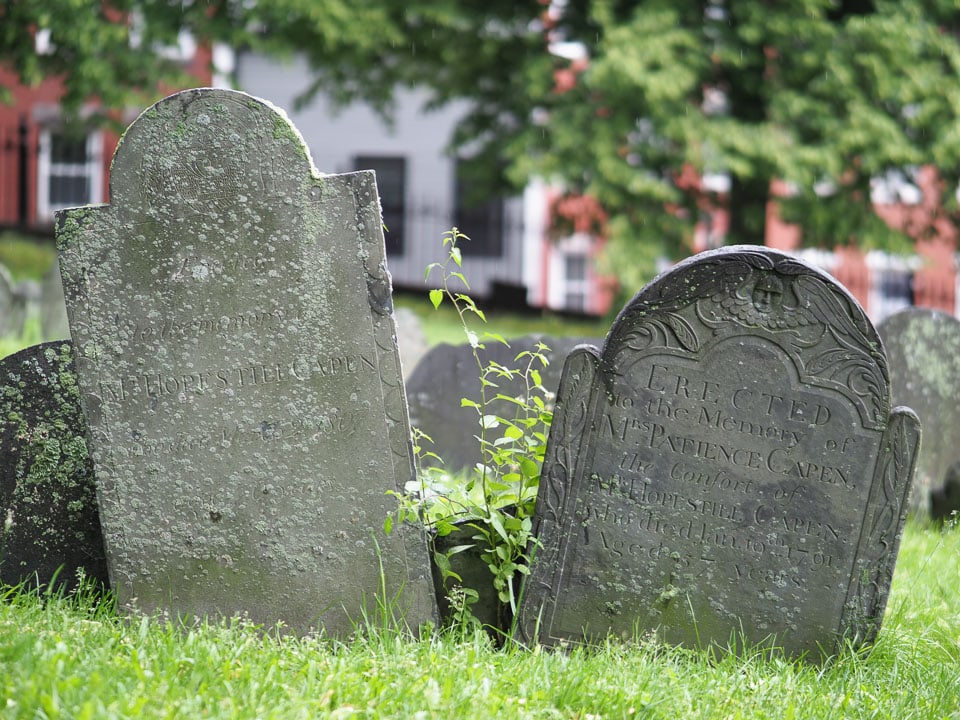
[
  {"x": 53, "y": 311},
  {"x": 49, "y": 526},
  {"x": 727, "y": 465},
  {"x": 239, "y": 372},
  {"x": 923, "y": 348},
  {"x": 11, "y": 306}
]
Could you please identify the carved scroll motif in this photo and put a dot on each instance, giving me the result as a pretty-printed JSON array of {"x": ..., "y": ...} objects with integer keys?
[
  {"x": 886, "y": 514},
  {"x": 821, "y": 330},
  {"x": 560, "y": 471}
]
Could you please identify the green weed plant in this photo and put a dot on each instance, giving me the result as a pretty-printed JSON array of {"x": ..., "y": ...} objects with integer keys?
[{"x": 492, "y": 504}]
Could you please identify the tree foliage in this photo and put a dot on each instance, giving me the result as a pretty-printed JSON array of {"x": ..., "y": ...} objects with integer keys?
[{"x": 827, "y": 95}]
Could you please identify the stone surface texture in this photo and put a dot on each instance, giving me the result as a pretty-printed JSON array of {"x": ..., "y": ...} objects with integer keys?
[
  {"x": 11, "y": 310},
  {"x": 923, "y": 349},
  {"x": 237, "y": 358},
  {"x": 49, "y": 526},
  {"x": 727, "y": 468}
]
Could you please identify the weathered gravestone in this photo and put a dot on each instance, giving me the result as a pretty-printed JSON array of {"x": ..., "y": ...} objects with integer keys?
[
  {"x": 53, "y": 310},
  {"x": 49, "y": 526},
  {"x": 727, "y": 464},
  {"x": 410, "y": 339},
  {"x": 11, "y": 306},
  {"x": 449, "y": 372},
  {"x": 231, "y": 311},
  {"x": 923, "y": 348}
]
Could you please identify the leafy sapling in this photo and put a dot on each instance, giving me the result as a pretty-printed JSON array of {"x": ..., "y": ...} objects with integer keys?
[{"x": 493, "y": 501}]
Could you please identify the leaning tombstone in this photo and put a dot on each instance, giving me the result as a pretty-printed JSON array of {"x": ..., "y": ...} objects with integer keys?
[
  {"x": 727, "y": 469},
  {"x": 923, "y": 348},
  {"x": 238, "y": 368},
  {"x": 49, "y": 527}
]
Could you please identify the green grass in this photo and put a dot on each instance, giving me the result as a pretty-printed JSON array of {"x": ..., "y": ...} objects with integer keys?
[
  {"x": 63, "y": 659},
  {"x": 443, "y": 326}
]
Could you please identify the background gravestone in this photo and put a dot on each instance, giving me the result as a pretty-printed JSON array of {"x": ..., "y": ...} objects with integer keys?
[
  {"x": 923, "y": 348},
  {"x": 410, "y": 339},
  {"x": 231, "y": 311},
  {"x": 53, "y": 310},
  {"x": 449, "y": 372},
  {"x": 11, "y": 306},
  {"x": 727, "y": 464},
  {"x": 49, "y": 526}
]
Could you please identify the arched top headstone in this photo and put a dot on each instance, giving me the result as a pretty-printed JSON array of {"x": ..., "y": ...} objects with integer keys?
[
  {"x": 205, "y": 148},
  {"x": 232, "y": 315},
  {"x": 817, "y": 324},
  {"x": 923, "y": 347},
  {"x": 726, "y": 468},
  {"x": 49, "y": 525}
]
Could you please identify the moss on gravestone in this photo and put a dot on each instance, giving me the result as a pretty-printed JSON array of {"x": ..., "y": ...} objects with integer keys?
[{"x": 47, "y": 492}]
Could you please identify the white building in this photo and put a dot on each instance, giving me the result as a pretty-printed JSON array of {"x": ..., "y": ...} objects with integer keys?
[{"x": 508, "y": 258}]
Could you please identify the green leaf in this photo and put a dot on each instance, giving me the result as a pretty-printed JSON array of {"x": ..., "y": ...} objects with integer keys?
[
  {"x": 529, "y": 467},
  {"x": 497, "y": 524},
  {"x": 436, "y": 297},
  {"x": 488, "y": 422},
  {"x": 455, "y": 254},
  {"x": 456, "y": 549},
  {"x": 513, "y": 432}
]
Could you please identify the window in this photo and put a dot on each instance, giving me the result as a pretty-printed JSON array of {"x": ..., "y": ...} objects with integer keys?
[
  {"x": 391, "y": 185},
  {"x": 479, "y": 219},
  {"x": 575, "y": 282},
  {"x": 68, "y": 171}
]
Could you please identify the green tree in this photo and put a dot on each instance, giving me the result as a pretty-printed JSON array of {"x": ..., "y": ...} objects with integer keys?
[
  {"x": 819, "y": 93},
  {"x": 116, "y": 51},
  {"x": 823, "y": 94}
]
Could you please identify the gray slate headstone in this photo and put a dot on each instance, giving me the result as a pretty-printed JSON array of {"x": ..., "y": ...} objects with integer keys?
[
  {"x": 239, "y": 371},
  {"x": 728, "y": 463},
  {"x": 410, "y": 339},
  {"x": 923, "y": 348},
  {"x": 53, "y": 309},
  {"x": 448, "y": 373},
  {"x": 11, "y": 305},
  {"x": 49, "y": 525}
]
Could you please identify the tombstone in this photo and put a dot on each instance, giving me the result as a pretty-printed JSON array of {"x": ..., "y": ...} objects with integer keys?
[
  {"x": 727, "y": 468},
  {"x": 945, "y": 501},
  {"x": 238, "y": 368},
  {"x": 449, "y": 372},
  {"x": 53, "y": 310},
  {"x": 410, "y": 338},
  {"x": 923, "y": 348},
  {"x": 49, "y": 526},
  {"x": 11, "y": 305}
]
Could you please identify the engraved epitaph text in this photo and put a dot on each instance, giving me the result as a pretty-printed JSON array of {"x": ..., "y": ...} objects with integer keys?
[
  {"x": 728, "y": 466},
  {"x": 232, "y": 318}
]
